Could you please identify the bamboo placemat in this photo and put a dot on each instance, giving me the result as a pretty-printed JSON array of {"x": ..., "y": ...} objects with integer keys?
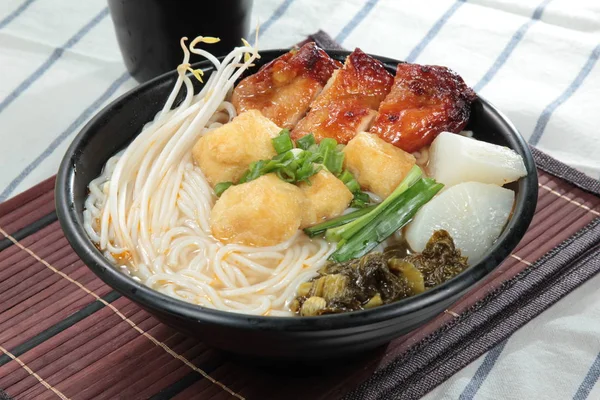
[{"x": 65, "y": 334}]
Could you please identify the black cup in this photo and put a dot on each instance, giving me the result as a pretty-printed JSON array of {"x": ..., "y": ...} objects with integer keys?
[{"x": 148, "y": 31}]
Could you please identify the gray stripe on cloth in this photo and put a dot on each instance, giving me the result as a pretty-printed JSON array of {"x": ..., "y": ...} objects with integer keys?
[
  {"x": 540, "y": 126},
  {"x": 510, "y": 47},
  {"x": 355, "y": 21},
  {"x": 482, "y": 372},
  {"x": 552, "y": 166},
  {"x": 86, "y": 114},
  {"x": 435, "y": 29},
  {"x": 278, "y": 13},
  {"x": 56, "y": 54},
  {"x": 13, "y": 15},
  {"x": 589, "y": 381}
]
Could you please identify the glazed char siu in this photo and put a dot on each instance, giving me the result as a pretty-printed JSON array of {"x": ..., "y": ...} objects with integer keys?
[
  {"x": 423, "y": 102},
  {"x": 349, "y": 102},
  {"x": 283, "y": 89}
]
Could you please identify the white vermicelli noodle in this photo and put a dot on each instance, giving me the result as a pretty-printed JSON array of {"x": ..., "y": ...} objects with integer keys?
[
  {"x": 422, "y": 156},
  {"x": 149, "y": 209}
]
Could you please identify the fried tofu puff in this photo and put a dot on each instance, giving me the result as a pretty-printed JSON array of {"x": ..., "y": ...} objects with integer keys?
[
  {"x": 284, "y": 88},
  {"x": 224, "y": 154},
  {"x": 326, "y": 197},
  {"x": 262, "y": 212},
  {"x": 377, "y": 165}
]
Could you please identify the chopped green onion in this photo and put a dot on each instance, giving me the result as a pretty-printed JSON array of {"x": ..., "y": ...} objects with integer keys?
[
  {"x": 299, "y": 164},
  {"x": 313, "y": 148},
  {"x": 348, "y": 230},
  {"x": 337, "y": 221},
  {"x": 353, "y": 185},
  {"x": 244, "y": 177},
  {"x": 346, "y": 176},
  {"x": 296, "y": 153},
  {"x": 358, "y": 237},
  {"x": 221, "y": 187},
  {"x": 315, "y": 158},
  {"x": 289, "y": 155},
  {"x": 282, "y": 157},
  {"x": 385, "y": 222},
  {"x": 362, "y": 196},
  {"x": 255, "y": 169},
  {"x": 334, "y": 162},
  {"x": 327, "y": 145},
  {"x": 286, "y": 174},
  {"x": 360, "y": 200},
  {"x": 292, "y": 165},
  {"x": 306, "y": 141},
  {"x": 271, "y": 166},
  {"x": 283, "y": 142},
  {"x": 307, "y": 170}
]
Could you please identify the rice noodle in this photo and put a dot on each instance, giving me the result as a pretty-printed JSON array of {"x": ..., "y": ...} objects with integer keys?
[
  {"x": 422, "y": 156},
  {"x": 149, "y": 209}
]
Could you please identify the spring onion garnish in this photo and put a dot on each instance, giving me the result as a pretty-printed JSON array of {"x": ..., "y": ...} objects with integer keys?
[
  {"x": 360, "y": 200},
  {"x": 298, "y": 164},
  {"x": 255, "y": 170},
  {"x": 221, "y": 187},
  {"x": 346, "y": 231},
  {"x": 286, "y": 174},
  {"x": 332, "y": 159},
  {"x": 283, "y": 142},
  {"x": 349, "y": 181},
  {"x": 337, "y": 221},
  {"x": 306, "y": 141},
  {"x": 358, "y": 237}
]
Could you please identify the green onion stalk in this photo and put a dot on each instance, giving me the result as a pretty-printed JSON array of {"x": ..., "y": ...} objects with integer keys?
[{"x": 363, "y": 234}]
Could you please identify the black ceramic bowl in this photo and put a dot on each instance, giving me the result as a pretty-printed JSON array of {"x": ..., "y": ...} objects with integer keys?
[{"x": 273, "y": 337}]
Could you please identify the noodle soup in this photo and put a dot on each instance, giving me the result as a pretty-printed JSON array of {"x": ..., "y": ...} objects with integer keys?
[{"x": 162, "y": 213}]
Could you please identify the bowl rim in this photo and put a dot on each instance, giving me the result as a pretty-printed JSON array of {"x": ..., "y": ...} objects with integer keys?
[{"x": 525, "y": 203}]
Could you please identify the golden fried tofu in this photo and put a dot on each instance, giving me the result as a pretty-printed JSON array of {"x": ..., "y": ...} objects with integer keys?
[
  {"x": 284, "y": 88},
  {"x": 424, "y": 101},
  {"x": 262, "y": 212},
  {"x": 377, "y": 165},
  {"x": 224, "y": 154},
  {"x": 326, "y": 196},
  {"x": 349, "y": 102}
]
